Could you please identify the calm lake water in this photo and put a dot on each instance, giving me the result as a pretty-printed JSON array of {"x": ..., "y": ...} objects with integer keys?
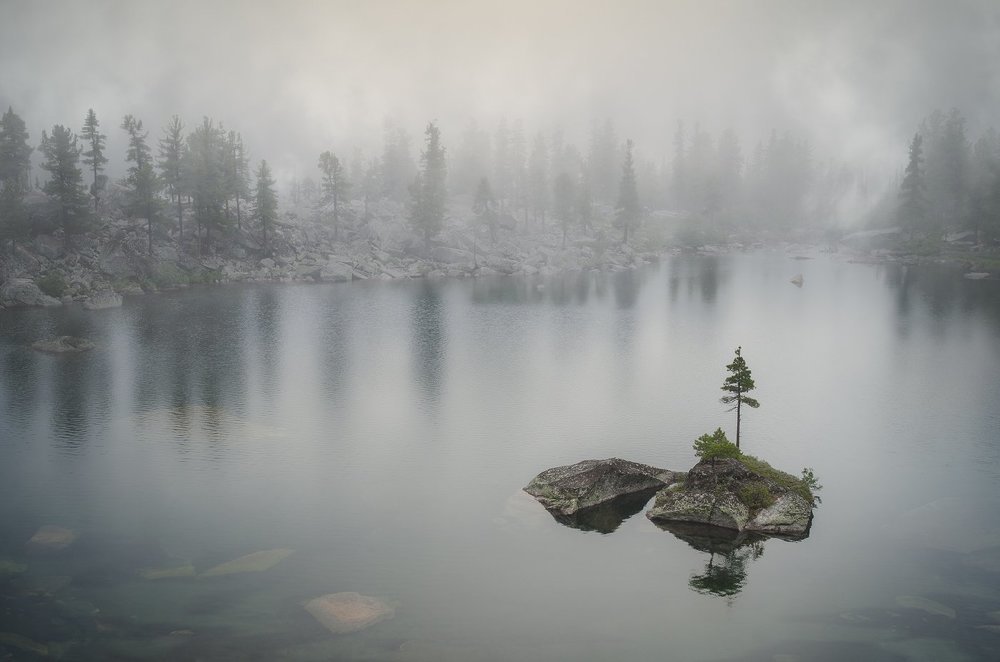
[{"x": 383, "y": 432}]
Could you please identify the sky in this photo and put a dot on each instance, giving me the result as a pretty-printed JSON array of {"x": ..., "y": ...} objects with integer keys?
[{"x": 297, "y": 77}]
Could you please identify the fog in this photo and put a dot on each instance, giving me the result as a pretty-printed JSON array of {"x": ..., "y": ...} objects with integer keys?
[{"x": 295, "y": 78}]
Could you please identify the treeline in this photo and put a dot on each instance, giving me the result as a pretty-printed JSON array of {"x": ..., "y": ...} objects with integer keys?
[
  {"x": 502, "y": 179},
  {"x": 206, "y": 170},
  {"x": 951, "y": 183}
]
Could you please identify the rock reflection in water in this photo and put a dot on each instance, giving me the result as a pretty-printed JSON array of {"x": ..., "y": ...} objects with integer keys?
[
  {"x": 607, "y": 517},
  {"x": 729, "y": 555}
]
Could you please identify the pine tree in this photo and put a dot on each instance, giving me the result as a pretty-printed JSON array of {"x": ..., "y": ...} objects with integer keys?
[
  {"x": 142, "y": 179},
  {"x": 15, "y": 162},
  {"x": 538, "y": 179},
  {"x": 484, "y": 206},
  {"x": 564, "y": 202},
  {"x": 204, "y": 176},
  {"x": 265, "y": 204},
  {"x": 236, "y": 171},
  {"x": 585, "y": 204},
  {"x": 737, "y": 385},
  {"x": 627, "y": 211},
  {"x": 428, "y": 193},
  {"x": 94, "y": 157},
  {"x": 65, "y": 186},
  {"x": 912, "y": 192},
  {"x": 335, "y": 186},
  {"x": 171, "y": 164}
]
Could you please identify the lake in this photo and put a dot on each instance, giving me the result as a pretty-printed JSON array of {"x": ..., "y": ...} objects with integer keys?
[{"x": 383, "y": 431}]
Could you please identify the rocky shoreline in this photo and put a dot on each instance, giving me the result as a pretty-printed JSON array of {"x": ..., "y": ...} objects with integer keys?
[{"x": 97, "y": 270}]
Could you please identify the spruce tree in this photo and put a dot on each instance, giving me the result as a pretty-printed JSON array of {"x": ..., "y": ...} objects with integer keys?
[
  {"x": 484, "y": 206},
  {"x": 538, "y": 180},
  {"x": 65, "y": 186},
  {"x": 335, "y": 186},
  {"x": 204, "y": 176},
  {"x": 428, "y": 193},
  {"x": 141, "y": 179},
  {"x": 15, "y": 162},
  {"x": 627, "y": 211},
  {"x": 737, "y": 385},
  {"x": 265, "y": 204},
  {"x": 912, "y": 192},
  {"x": 170, "y": 164},
  {"x": 564, "y": 202},
  {"x": 94, "y": 157}
]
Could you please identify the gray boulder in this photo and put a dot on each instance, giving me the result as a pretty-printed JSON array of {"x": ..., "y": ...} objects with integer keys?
[
  {"x": 24, "y": 292},
  {"x": 591, "y": 483},
  {"x": 727, "y": 494},
  {"x": 336, "y": 272},
  {"x": 103, "y": 299},
  {"x": 48, "y": 246}
]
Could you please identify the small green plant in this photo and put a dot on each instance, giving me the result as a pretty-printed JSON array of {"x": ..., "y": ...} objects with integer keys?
[
  {"x": 715, "y": 445},
  {"x": 52, "y": 284},
  {"x": 809, "y": 478},
  {"x": 756, "y": 496}
]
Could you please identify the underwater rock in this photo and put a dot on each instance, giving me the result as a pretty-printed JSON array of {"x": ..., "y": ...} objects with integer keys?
[
  {"x": 568, "y": 489},
  {"x": 797, "y": 281},
  {"x": 168, "y": 572},
  {"x": 52, "y": 537},
  {"x": 8, "y": 567},
  {"x": 925, "y": 604},
  {"x": 12, "y": 640},
  {"x": 63, "y": 345},
  {"x": 341, "y": 613},
  {"x": 256, "y": 562}
]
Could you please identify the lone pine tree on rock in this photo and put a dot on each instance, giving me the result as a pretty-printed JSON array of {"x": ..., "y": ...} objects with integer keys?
[{"x": 737, "y": 385}]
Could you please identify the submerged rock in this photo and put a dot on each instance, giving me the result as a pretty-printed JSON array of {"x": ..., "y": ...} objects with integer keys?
[
  {"x": 256, "y": 562},
  {"x": 726, "y": 493},
  {"x": 168, "y": 572},
  {"x": 341, "y": 613},
  {"x": 571, "y": 488},
  {"x": 23, "y": 644},
  {"x": 8, "y": 567},
  {"x": 63, "y": 345},
  {"x": 52, "y": 537},
  {"x": 797, "y": 281},
  {"x": 926, "y": 605}
]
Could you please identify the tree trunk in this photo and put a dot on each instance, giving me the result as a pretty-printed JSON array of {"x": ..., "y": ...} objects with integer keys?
[
  {"x": 180, "y": 220},
  {"x": 738, "y": 402},
  {"x": 239, "y": 218}
]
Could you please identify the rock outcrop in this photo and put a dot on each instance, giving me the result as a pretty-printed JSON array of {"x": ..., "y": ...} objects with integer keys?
[
  {"x": 103, "y": 299},
  {"x": 24, "y": 292},
  {"x": 588, "y": 484},
  {"x": 726, "y": 493}
]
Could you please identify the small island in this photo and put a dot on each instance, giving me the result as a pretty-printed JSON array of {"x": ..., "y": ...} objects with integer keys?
[{"x": 727, "y": 489}]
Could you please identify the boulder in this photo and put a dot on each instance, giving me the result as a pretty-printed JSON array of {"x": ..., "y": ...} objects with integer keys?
[
  {"x": 727, "y": 494},
  {"x": 341, "y": 613},
  {"x": 48, "y": 246},
  {"x": 336, "y": 272},
  {"x": 24, "y": 292},
  {"x": 103, "y": 299},
  {"x": 590, "y": 483},
  {"x": 63, "y": 345}
]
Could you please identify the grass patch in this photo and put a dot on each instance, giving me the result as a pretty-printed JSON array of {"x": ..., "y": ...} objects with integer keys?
[
  {"x": 755, "y": 496},
  {"x": 787, "y": 481}
]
